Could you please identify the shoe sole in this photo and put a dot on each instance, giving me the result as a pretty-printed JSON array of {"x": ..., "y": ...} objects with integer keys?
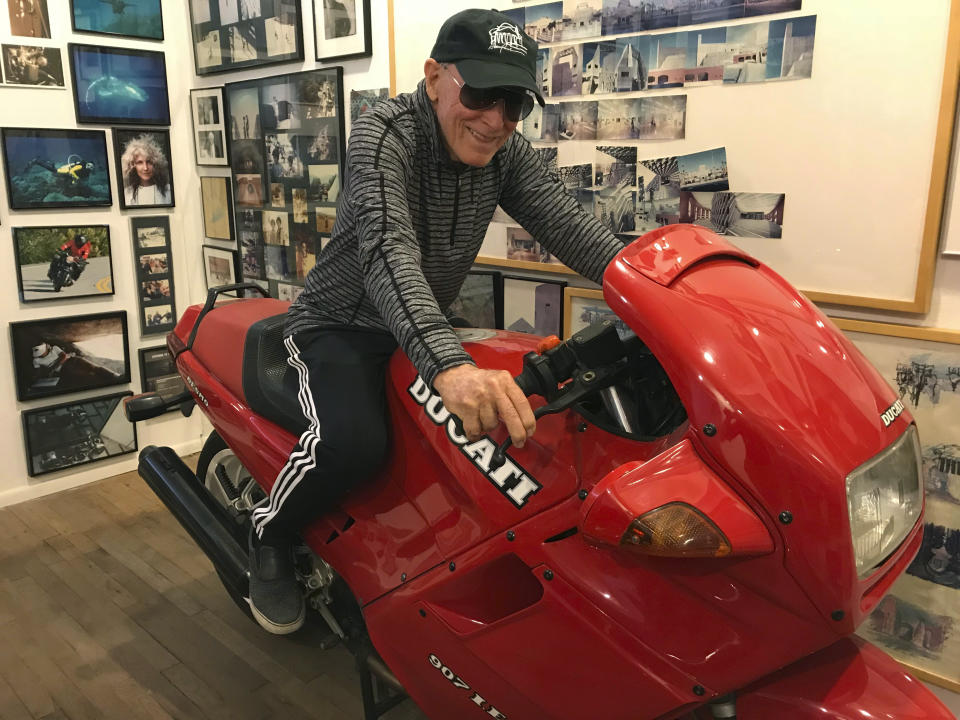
[{"x": 276, "y": 628}]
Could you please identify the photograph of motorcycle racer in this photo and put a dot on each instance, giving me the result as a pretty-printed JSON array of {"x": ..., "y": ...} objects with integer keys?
[
  {"x": 424, "y": 173},
  {"x": 74, "y": 252},
  {"x": 51, "y": 261}
]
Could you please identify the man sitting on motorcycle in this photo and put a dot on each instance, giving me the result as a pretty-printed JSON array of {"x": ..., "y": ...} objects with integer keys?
[
  {"x": 75, "y": 251},
  {"x": 424, "y": 173}
]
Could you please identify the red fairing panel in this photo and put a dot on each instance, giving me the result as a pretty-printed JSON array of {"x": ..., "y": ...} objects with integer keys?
[
  {"x": 797, "y": 407},
  {"x": 850, "y": 680}
]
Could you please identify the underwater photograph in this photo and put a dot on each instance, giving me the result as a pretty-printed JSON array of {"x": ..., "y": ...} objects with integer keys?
[
  {"x": 131, "y": 18},
  {"x": 119, "y": 85},
  {"x": 56, "y": 168}
]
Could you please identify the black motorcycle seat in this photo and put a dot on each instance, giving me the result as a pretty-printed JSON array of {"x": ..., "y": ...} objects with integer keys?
[{"x": 264, "y": 366}]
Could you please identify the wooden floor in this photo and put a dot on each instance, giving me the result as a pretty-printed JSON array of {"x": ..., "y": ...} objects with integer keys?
[{"x": 108, "y": 610}]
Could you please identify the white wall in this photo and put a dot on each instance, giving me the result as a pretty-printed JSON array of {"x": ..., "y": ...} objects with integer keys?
[{"x": 53, "y": 108}]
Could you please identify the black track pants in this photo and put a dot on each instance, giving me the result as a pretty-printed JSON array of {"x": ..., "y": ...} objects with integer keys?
[{"x": 338, "y": 377}]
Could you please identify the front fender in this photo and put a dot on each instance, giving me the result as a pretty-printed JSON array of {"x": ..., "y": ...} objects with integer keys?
[{"x": 849, "y": 680}]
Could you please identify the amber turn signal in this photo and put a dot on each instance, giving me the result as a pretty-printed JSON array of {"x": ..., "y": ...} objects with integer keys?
[{"x": 676, "y": 530}]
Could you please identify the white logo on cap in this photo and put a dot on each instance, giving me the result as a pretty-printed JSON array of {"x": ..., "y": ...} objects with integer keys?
[{"x": 506, "y": 36}]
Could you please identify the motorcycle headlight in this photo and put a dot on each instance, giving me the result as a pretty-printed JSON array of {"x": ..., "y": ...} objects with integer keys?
[{"x": 884, "y": 497}]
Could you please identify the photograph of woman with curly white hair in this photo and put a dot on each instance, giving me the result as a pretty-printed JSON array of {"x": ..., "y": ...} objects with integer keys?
[{"x": 145, "y": 178}]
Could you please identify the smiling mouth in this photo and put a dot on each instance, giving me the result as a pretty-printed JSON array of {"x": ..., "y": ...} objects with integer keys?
[{"x": 482, "y": 138}]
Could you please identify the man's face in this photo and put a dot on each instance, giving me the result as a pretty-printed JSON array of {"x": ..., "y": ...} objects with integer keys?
[{"x": 471, "y": 136}]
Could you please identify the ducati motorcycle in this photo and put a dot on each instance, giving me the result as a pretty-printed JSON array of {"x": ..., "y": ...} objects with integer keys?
[
  {"x": 64, "y": 269},
  {"x": 720, "y": 490}
]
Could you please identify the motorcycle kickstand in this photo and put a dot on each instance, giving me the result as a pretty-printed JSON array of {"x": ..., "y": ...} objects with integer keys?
[{"x": 372, "y": 687}]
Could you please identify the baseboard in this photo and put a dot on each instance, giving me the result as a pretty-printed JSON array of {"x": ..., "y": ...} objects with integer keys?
[{"x": 86, "y": 474}]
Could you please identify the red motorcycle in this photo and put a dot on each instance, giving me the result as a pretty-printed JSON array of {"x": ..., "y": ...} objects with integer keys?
[{"x": 711, "y": 505}]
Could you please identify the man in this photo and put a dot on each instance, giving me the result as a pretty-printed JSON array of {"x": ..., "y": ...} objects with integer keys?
[
  {"x": 76, "y": 252},
  {"x": 424, "y": 174}
]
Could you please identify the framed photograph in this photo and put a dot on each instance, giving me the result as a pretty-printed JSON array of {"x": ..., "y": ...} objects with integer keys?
[
  {"x": 127, "y": 18},
  {"x": 33, "y": 65},
  {"x": 29, "y": 19},
  {"x": 217, "y": 208},
  {"x": 583, "y": 307},
  {"x": 144, "y": 170},
  {"x": 63, "y": 355},
  {"x": 76, "y": 433},
  {"x": 480, "y": 302},
  {"x": 234, "y": 34},
  {"x": 154, "y": 262},
  {"x": 220, "y": 266},
  {"x": 341, "y": 29},
  {"x": 532, "y": 305},
  {"x": 158, "y": 373},
  {"x": 48, "y": 169},
  {"x": 209, "y": 127},
  {"x": 63, "y": 262},
  {"x": 119, "y": 85}
]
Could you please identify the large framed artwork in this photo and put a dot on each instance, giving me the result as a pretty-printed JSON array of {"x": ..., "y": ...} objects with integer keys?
[
  {"x": 217, "y": 208},
  {"x": 144, "y": 169},
  {"x": 119, "y": 85},
  {"x": 158, "y": 373},
  {"x": 50, "y": 263},
  {"x": 286, "y": 143},
  {"x": 918, "y": 621},
  {"x": 126, "y": 18},
  {"x": 480, "y": 301},
  {"x": 209, "y": 129},
  {"x": 234, "y": 34},
  {"x": 63, "y": 355},
  {"x": 76, "y": 433},
  {"x": 48, "y": 169},
  {"x": 155, "y": 290},
  {"x": 583, "y": 307},
  {"x": 341, "y": 29}
]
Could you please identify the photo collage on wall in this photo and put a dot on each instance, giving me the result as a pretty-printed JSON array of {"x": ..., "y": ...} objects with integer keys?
[
  {"x": 286, "y": 140},
  {"x": 918, "y": 621},
  {"x": 154, "y": 259}
]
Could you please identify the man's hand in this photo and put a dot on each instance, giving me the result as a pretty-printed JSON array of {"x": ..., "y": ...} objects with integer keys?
[{"x": 482, "y": 398}]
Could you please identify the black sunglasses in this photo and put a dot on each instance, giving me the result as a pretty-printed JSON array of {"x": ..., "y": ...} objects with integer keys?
[{"x": 516, "y": 105}]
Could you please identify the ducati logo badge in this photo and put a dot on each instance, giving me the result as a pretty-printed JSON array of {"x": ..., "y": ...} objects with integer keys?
[
  {"x": 510, "y": 479},
  {"x": 892, "y": 413}
]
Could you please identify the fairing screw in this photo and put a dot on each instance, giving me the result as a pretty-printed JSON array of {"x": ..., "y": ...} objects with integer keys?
[
  {"x": 453, "y": 566},
  {"x": 582, "y": 494},
  {"x": 698, "y": 690},
  {"x": 548, "y": 574},
  {"x": 786, "y": 517},
  {"x": 582, "y": 427},
  {"x": 511, "y": 535},
  {"x": 403, "y": 577},
  {"x": 423, "y": 613},
  {"x": 709, "y": 429},
  {"x": 836, "y": 615}
]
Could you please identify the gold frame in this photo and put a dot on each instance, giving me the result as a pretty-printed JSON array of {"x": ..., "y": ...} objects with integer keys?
[
  {"x": 912, "y": 332},
  {"x": 568, "y": 294}
]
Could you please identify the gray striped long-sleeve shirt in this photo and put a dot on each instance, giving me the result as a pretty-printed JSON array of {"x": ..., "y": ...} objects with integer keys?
[{"x": 410, "y": 223}]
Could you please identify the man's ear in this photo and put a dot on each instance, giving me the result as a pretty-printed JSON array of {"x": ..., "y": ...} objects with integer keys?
[{"x": 431, "y": 73}]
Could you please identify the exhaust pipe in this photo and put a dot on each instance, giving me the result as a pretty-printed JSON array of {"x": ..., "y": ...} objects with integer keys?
[{"x": 199, "y": 514}]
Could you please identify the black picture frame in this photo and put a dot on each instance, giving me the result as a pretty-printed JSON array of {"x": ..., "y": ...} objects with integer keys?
[
  {"x": 142, "y": 19},
  {"x": 152, "y": 144},
  {"x": 156, "y": 292},
  {"x": 158, "y": 373},
  {"x": 341, "y": 30},
  {"x": 543, "y": 314},
  {"x": 287, "y": 143},
  {"x": 480, "y": 301},
  {"x": 33, "y": 159},
  {"x": 57, "y": 437},
  {"x": 121, "y": 86},
  {"x": 217, "y": 208},
  {"x": 220, "y": 266},
  {"x": 57, "y": 356},
  {"x": 228, "y": 35},
  {"x": 35, "y": 249},
  {"x": 209, "y": 126}
]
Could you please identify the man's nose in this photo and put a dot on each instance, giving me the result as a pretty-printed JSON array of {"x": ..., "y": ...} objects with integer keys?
[{"x": 496, "y": 115}]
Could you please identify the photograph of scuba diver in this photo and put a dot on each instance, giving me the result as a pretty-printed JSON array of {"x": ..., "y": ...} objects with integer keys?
[
  {"x": 67, "y": 261},
  {"x": 119, "y": 85},
  {"x": 63, "y": 355},
  {"x": 56, "y": 168},
  {"x": 144, "y": 175}
]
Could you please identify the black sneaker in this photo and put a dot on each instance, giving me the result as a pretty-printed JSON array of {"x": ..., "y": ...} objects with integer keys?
[{"x": 276, "y": 600}]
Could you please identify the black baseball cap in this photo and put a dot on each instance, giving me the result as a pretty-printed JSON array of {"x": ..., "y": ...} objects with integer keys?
[{"x": 489, "y": 49}]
